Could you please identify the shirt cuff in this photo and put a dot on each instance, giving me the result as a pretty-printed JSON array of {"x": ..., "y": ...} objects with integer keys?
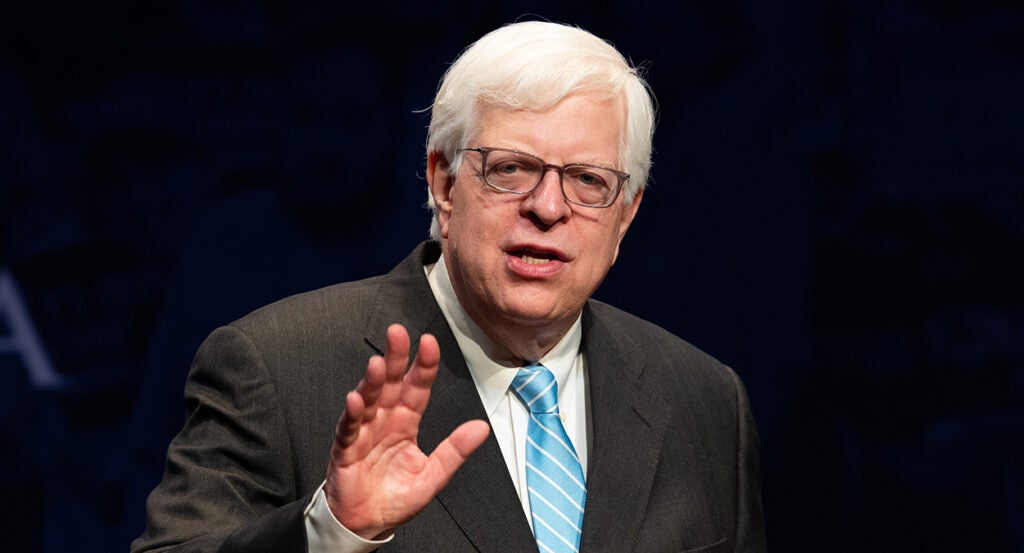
[{"x": 325, "y": 534}]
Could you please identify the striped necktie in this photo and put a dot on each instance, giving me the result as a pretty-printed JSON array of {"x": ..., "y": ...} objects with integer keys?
[{"x": 554, "y": 476}]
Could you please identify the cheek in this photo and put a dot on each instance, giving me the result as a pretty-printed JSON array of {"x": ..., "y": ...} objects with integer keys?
[
  {"x": 613, "y": 237},
  {"x": 608, "y": 250},
  {"x": 462, "y": 228},
  {"x": 451, "y": 220}
]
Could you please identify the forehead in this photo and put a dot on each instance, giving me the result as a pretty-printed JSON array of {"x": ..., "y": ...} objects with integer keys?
[{"x": 579, "y": 128}]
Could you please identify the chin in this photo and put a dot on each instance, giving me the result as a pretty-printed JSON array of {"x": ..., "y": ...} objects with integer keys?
[{"x": 529, "y": 315}]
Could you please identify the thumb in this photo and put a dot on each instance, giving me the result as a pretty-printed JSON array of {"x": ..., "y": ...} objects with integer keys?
[{"x": 449, "y": 455}]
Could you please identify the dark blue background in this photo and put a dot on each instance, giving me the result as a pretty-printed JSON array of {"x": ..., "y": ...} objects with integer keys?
[{"x": 836, "y": 211}]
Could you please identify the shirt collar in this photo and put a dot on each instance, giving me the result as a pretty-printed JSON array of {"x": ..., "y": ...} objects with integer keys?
[{"x": 491, "y": 367}]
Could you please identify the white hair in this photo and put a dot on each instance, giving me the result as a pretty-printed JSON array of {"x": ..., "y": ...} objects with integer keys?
[{"x": 534, "y": 65}]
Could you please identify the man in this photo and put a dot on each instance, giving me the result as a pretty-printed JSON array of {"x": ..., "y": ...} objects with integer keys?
[{"x": 553, "y": 422}]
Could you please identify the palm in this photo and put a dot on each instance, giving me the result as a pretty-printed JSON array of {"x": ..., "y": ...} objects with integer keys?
[{"x": 378, "y": 477}]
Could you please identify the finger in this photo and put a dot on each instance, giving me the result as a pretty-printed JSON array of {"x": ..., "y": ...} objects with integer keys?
[
  {"x": 396, "y": 359},
  {"x": 449, "y": 455},
  {"x": 346, "y": 433},
  {"x": 372, "y": 385},
  {"x": 420, "y": 378},
  {"x": 429, "y": 352}
]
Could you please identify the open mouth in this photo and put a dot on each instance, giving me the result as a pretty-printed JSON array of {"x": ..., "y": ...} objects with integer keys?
[{"x": 532, "y": 256}]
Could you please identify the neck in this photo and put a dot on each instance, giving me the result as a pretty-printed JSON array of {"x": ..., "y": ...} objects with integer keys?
[{"x": 527, "y": 343}]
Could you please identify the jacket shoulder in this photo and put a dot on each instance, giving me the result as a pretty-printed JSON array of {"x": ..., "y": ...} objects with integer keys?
[
  {"x": 664, "y": 355},
  {"x": 340, "y": 307}
]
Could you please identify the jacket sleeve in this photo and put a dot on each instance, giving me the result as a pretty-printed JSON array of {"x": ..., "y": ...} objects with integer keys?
[{"x": 228, "y": 484}]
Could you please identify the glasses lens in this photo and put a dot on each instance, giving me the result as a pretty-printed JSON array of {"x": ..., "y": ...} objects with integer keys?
[
  {"x": 520, "y": 173},
  {"x": 512, "y": 171},
  {"x": 589, "y": 185}
]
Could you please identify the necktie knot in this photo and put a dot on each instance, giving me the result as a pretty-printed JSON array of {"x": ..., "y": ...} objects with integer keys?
[{"x": 537, "y": 389}]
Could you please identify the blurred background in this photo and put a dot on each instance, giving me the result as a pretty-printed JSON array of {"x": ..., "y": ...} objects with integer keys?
[{"x": 836, "y": 212}]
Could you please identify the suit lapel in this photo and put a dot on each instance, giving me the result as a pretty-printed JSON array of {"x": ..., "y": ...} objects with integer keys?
[
  {"x": 628, "y": 429},
  {"x": 481, "y": 497}
]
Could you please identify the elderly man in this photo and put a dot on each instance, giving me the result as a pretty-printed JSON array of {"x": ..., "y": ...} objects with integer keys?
[{"x": 553, "y": 422}]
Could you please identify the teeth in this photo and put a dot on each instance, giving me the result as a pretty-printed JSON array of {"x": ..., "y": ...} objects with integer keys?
[{"x": 530, "y": 260}]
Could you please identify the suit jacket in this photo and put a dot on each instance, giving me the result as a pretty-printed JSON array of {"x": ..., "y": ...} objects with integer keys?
[{"x": 674, "y": 452}]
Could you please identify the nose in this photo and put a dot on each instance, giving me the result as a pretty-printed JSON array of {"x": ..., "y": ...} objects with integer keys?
[{"x": 547, "y": 202}]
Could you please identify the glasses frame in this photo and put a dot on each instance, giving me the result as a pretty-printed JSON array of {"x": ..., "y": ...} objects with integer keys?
[{"x": 545, "y": 167}]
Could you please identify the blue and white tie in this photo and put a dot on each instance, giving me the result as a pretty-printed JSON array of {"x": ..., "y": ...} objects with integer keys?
[{"x": 554, "y": 476}]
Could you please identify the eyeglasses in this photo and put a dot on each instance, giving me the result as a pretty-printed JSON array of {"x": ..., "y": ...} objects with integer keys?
[{"x": 520, "y": 173}]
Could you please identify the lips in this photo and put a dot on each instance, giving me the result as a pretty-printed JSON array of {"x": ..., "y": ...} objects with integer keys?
[
  {"x": 535, "y": 262},
  {"x": 533, "y": 255}
]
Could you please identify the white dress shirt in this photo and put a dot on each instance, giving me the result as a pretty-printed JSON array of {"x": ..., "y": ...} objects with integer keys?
[{"x": 492, "y": 371}]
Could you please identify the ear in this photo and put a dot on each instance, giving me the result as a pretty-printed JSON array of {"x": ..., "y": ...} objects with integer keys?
[
  {"x": 626, "y": 218},
  {"x": 628, "y": 212},
  {"x": 440, "y": 181}
]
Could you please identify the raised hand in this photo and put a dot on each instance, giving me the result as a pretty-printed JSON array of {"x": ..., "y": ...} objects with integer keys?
[{"x": 378, "y": 477}]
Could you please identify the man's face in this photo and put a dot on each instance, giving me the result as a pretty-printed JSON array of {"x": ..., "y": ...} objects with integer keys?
[{"x": 519, "y": 261}]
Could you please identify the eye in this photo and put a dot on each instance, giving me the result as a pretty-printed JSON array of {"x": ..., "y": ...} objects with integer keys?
[
  {"x": 588, "y": 177},
  {"x": 506, "y": 167}
]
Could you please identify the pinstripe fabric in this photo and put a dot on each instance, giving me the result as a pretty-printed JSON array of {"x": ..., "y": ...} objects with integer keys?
[{"x": 557, "y": 489}]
